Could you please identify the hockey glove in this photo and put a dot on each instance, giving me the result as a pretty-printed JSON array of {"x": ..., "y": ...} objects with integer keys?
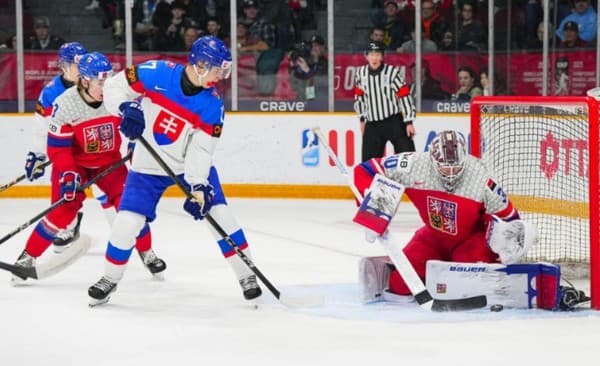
[
  {"x": 133, "y": 123},
  {"x": 32, "y": 165},
  {"x": 202, "y": 202},
  {"x": 69, "y": 183}
]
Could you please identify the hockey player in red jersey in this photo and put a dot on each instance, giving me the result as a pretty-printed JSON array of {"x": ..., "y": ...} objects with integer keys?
[
  {"x": 455, "y": 196},
  {"x": 83, "y": 140}
]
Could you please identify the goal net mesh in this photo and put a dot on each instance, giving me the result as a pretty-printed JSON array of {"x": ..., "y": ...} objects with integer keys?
[{"x": 539, "y": 155}]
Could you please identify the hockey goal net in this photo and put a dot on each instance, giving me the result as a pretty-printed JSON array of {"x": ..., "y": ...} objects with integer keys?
[{"x": 544, "y": 153}]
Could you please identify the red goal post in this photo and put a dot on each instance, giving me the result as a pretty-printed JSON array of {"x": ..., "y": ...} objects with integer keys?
[{"x": 544, "y": 153}]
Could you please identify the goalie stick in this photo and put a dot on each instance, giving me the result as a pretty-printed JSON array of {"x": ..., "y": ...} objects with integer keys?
[
  {"x": 6, "y": 186},
  {"x": 401, "y": 262},
  {"x": 62, "y": 200},
  {"x": 306, "y": 301}
]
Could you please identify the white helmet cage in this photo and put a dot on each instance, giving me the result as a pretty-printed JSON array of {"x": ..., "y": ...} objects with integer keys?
[{"x": 448, "y": 151}]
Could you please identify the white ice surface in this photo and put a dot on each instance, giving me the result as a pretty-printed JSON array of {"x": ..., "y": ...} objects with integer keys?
[{"x": 197, "y": 315}]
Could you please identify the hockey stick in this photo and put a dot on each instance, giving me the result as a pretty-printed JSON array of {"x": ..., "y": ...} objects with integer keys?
[
  {"x": 285, "y": 300},
  {"x": 62, "y": 200},
  {"x": 401, "y": 262},
  {"x": 6, "y": 186}
]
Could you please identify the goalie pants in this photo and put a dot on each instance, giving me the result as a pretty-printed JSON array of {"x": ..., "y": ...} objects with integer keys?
[
  {"x": 58, "y": 219},
  {"x": 426, "y": 245}
]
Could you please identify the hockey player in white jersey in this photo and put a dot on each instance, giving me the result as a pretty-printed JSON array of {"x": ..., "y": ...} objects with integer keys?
[
  {"x": 179, "y": 112},
  {"x": 83, "y": 141}
]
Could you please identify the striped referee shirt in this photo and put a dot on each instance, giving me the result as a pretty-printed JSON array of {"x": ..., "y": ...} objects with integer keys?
[{"x": 381, "y": 93}]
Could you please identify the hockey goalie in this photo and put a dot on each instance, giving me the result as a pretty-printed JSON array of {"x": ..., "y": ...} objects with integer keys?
[{"x": 472, "y": 239}]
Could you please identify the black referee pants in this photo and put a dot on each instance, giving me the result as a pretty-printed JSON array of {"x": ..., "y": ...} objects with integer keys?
[{"x": 378, "y": 133}]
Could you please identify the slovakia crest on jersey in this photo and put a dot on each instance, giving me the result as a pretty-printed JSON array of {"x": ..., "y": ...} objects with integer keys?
[
  {"x": 167, "y": 128},
  {"x": 442, "y": 215}
]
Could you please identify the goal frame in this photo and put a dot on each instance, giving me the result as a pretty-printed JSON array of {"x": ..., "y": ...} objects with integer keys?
[{"x": 593, "y": 157}]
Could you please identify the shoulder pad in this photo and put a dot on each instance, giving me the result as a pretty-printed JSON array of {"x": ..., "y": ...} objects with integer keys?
[{"x": 401, "y": 163}]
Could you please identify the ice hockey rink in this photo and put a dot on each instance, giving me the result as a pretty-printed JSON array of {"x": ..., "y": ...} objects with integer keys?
[{"x": 197, "y": 315}]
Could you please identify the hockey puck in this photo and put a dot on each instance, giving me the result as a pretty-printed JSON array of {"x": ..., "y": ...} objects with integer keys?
[{"x": 496, "y": 307}]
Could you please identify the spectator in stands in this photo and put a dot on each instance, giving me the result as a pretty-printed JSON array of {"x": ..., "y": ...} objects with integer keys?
[
  {"x": 571, "y": 36},
  {"x": 447, "y": 43},
  {"x": 537, "y": 42},
  {"x": 195, "y": 13},
  {"x": 500, "y": 87},
  {"x": 278, "y": 13},
  {"x": 247, "y": 42},
  {"x": 433, "y": 24},
  {"x": 431, "y": 89},
  {"x": 303, "y": 16},
  {"x": 43, "y": 40},
  {"x": 377, "y": 34},
  {"x": 257, "y": 26},
  {"x": 467, "y": 85},
  {"x": 113, "y": 15},
  {"x": 10, "y": 43},
  {"x": 396, "y": 32},
  {"x": 471, "y": 35},
  {"x": 170, "y": 37},
  {"x": 190, "y": 35},
  {"x": 308, "y": 69},
  {"x": 427, "y": 45},
  {"x": 144, "y": 29},
  {"x": 214, "y": 28},
  {"x": 585, "y": 16}
]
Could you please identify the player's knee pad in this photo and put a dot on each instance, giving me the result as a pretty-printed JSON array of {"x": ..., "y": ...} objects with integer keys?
[{"x": 126, "y": 228}]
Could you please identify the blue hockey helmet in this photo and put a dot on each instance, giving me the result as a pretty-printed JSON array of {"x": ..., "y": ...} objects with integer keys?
[
  {"x": 94, "y": 66},
  {"x": 212, "y": 52},
  {"x": 70, "y": 52}
]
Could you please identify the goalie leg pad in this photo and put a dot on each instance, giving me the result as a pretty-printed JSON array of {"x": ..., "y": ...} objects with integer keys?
[
  {"x": 373, "y": 278},
  {"x": 514, "y": 286}
]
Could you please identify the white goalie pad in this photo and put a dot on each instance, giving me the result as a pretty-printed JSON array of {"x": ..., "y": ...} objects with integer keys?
[
  {"x": 511, "y": 240},
  {"x": 380, "y": 204},
  {"x": 520, "y": 286},
  {"x": 373, "y": 278}
]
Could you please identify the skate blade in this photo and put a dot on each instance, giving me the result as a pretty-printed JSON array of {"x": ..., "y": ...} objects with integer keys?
[{"x": 95, "y": 302}]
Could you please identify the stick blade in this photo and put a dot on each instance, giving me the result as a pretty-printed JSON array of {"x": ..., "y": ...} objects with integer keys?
[
  {"x": 467, "y": 303},
  {"x": 307, "y": 301}
]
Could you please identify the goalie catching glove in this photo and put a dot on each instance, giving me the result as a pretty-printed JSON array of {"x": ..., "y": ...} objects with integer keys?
[
  {"x": 511, "y": 240},
  {"x": 69, "y": 183},
  {"x": 202, "y": 202},
  {"x": 32, "y": 165}
]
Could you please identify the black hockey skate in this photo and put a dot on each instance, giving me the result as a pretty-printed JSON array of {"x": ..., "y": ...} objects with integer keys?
[
  {"x": 100, "y": 291},
  {"x": 250, "y": 287},
  {"x": 154, "y": 264},
  {"x": 66, "y": 237},
  {"x": 25, "y": 261},
  {"x": 571, "y": 297}
]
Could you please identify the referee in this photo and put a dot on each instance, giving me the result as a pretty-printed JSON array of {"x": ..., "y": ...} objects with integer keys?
[{"x": 384, "y": 105}]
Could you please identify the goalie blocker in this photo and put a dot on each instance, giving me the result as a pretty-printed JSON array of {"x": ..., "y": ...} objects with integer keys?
[{"x": 520, "y": 286}]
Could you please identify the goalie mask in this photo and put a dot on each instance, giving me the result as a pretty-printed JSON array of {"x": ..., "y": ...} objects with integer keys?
[{"x": 448, "y": 152}]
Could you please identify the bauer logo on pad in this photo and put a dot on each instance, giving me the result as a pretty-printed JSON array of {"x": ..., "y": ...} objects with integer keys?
[{"x": 380, "y": 204}]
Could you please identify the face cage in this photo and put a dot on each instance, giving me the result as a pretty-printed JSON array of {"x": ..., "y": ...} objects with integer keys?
[{"x": 449, "y": 180}]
